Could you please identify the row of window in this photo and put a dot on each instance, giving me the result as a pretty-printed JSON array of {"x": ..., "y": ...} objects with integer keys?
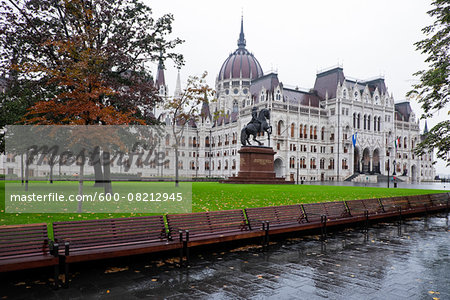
[
  {"x": 301, "y": 163},
  {"x": 366, "y": 122}
]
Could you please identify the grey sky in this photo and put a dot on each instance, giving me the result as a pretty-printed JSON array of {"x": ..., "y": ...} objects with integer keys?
[{"x": 298, "y": 38}]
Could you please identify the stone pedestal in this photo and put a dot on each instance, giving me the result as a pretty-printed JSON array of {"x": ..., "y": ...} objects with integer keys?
[{"x": 256, "y": 166}]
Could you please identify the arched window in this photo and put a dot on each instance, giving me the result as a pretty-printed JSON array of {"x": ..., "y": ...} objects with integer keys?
[
  {"x": 354, "y": 120},
  {"x": 322, "y": 134},
  {"x": 302, "y": 163},
  {"x": 379, "y": 119},
  {"x": 292, "y": 130},
  {"x": 305, "y": 135},
  {"x": 167, "y": 140},
  {"x": 312, "y": 163},
  {"x": 292, "y": 162},
  {"x": 311, "y": 132},
  {"x": 322, "y": 163},
  {"x": 368, "y": 122},
  {"x": 301, "y": 131},
  {"x": 375, "y": 124},
  {"x": 359, "y": 121},
  {"x": 280, "y": 123},
  {"x": 207, "y": 141},
  {"x": 365, "y": 120},
  {"x": 315, "y": 132},
  {"x": 235, "y": 105},
  {"x": 405, "y": 144}
]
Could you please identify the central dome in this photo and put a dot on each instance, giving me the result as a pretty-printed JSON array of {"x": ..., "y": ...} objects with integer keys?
[{"x": 241, "y": 63}]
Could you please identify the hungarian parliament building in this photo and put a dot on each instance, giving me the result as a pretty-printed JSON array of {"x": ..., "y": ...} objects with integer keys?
[{"x": 340, "y": 129}]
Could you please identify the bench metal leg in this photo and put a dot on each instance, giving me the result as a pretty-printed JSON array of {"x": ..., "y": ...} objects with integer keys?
[
  {"x": 182, "y": 248},
  {"x": 66, "y": 274},
  {"x": 187, "y": 247},
  {"x": 366, "y": 225},
  {"x": 266, "y": 234},
  {"x": 323, "y": 228},
  {"x": 56, "y": 276}
]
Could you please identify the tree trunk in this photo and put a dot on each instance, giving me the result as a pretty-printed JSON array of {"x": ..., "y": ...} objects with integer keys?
[
  {"x": 51, "y": 173},
  {"x": 80, "y": 188},
  {"x": 26, "y": 172},
  {"x": 107, "y": 172},
  {"x": 21, "y": 167},
  {"x": 176, "y": 167},
  {"x": 98, "y": 174}
]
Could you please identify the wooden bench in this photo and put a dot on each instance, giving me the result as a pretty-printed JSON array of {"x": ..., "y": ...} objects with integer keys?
[
  {"x": 419, "y": 203},
  {"x": 107, "y": 238},
  {"x": 276, "y": 219},
  {"x": 210, "y": 227},
  {"x": 439, "y": 201},
  {"x": 395, "y": 205},
  {"x": 314, "y": 212},
  {"x": 26, "y": 247},
  {"x": 332, "y": 210},
  {"x": 359, "y": 208}
]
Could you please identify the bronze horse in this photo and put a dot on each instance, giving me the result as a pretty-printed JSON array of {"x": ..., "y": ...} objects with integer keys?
[{"x": 258, "y": 125}]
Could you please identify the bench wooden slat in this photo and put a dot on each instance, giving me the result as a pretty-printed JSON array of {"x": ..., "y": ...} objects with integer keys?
[
  {"x": 103, "y": 237},
  {"x": 277, "y": 216},
  {"x": 208, "y": 224},
  {"x": 393, "y": 204},
  {"x": 24, "y": 247}
]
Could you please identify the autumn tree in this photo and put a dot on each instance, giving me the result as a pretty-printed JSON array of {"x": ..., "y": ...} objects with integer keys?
[
  {"x": 84, "y": 62},
  {"x": 88, "y": 57},
  {"x": 185, "y": 109},
  {"x": 433, "y": 89}
]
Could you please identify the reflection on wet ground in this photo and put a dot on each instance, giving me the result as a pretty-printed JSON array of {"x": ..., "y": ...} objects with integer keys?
[{"x": 387, "y": 262}]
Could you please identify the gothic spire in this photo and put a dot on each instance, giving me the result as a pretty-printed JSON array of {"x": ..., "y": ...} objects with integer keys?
[
  {"x": 425, "y": 130},
  {"x": 160, "y": 80},
  {"x": 241, "y": 42},
  {"x": 178, "y": 86}
]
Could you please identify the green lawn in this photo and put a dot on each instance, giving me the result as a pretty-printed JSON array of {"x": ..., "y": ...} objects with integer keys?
[{"x": 216, "y": 196}]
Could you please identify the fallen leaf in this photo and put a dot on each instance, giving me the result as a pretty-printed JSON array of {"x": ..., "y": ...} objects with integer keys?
[{"x": 115, "y": 270}]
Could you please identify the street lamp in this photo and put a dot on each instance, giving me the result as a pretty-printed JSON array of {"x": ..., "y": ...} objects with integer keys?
[
  {"x": 393, "y": 173},
  {"x": 388, "y": 163}
]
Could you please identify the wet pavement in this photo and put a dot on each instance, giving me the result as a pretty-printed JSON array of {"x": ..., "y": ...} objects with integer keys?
[{"x": 386, "y": 262}]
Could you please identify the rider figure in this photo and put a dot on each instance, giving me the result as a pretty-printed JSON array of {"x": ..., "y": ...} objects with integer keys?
[{"x": 255, "y": 118}]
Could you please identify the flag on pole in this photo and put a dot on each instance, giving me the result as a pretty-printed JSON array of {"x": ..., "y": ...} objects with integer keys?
[
  {"x": 354, "y": 138},
  {"x": 397, "y": 142}
]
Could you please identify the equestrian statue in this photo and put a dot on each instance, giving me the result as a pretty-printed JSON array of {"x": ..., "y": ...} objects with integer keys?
[{"x": 258, "y": 124}]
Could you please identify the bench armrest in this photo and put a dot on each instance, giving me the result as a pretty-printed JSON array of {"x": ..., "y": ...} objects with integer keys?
[{"x": 53, "y": 247}]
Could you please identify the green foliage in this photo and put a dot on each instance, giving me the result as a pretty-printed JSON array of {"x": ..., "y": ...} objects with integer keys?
[
  {"x": 433, "y": 89},
  {"x": 84, "y": 62}
]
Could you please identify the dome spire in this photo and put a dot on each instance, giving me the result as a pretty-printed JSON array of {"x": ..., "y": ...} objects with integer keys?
[{"x": 241, "y": 41}]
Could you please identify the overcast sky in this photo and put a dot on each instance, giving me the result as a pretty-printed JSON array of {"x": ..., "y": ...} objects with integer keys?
[{"x": 298, "y": 38}]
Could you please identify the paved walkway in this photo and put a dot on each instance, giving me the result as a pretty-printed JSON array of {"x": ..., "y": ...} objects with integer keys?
[{"x": 385, "y": 263}]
